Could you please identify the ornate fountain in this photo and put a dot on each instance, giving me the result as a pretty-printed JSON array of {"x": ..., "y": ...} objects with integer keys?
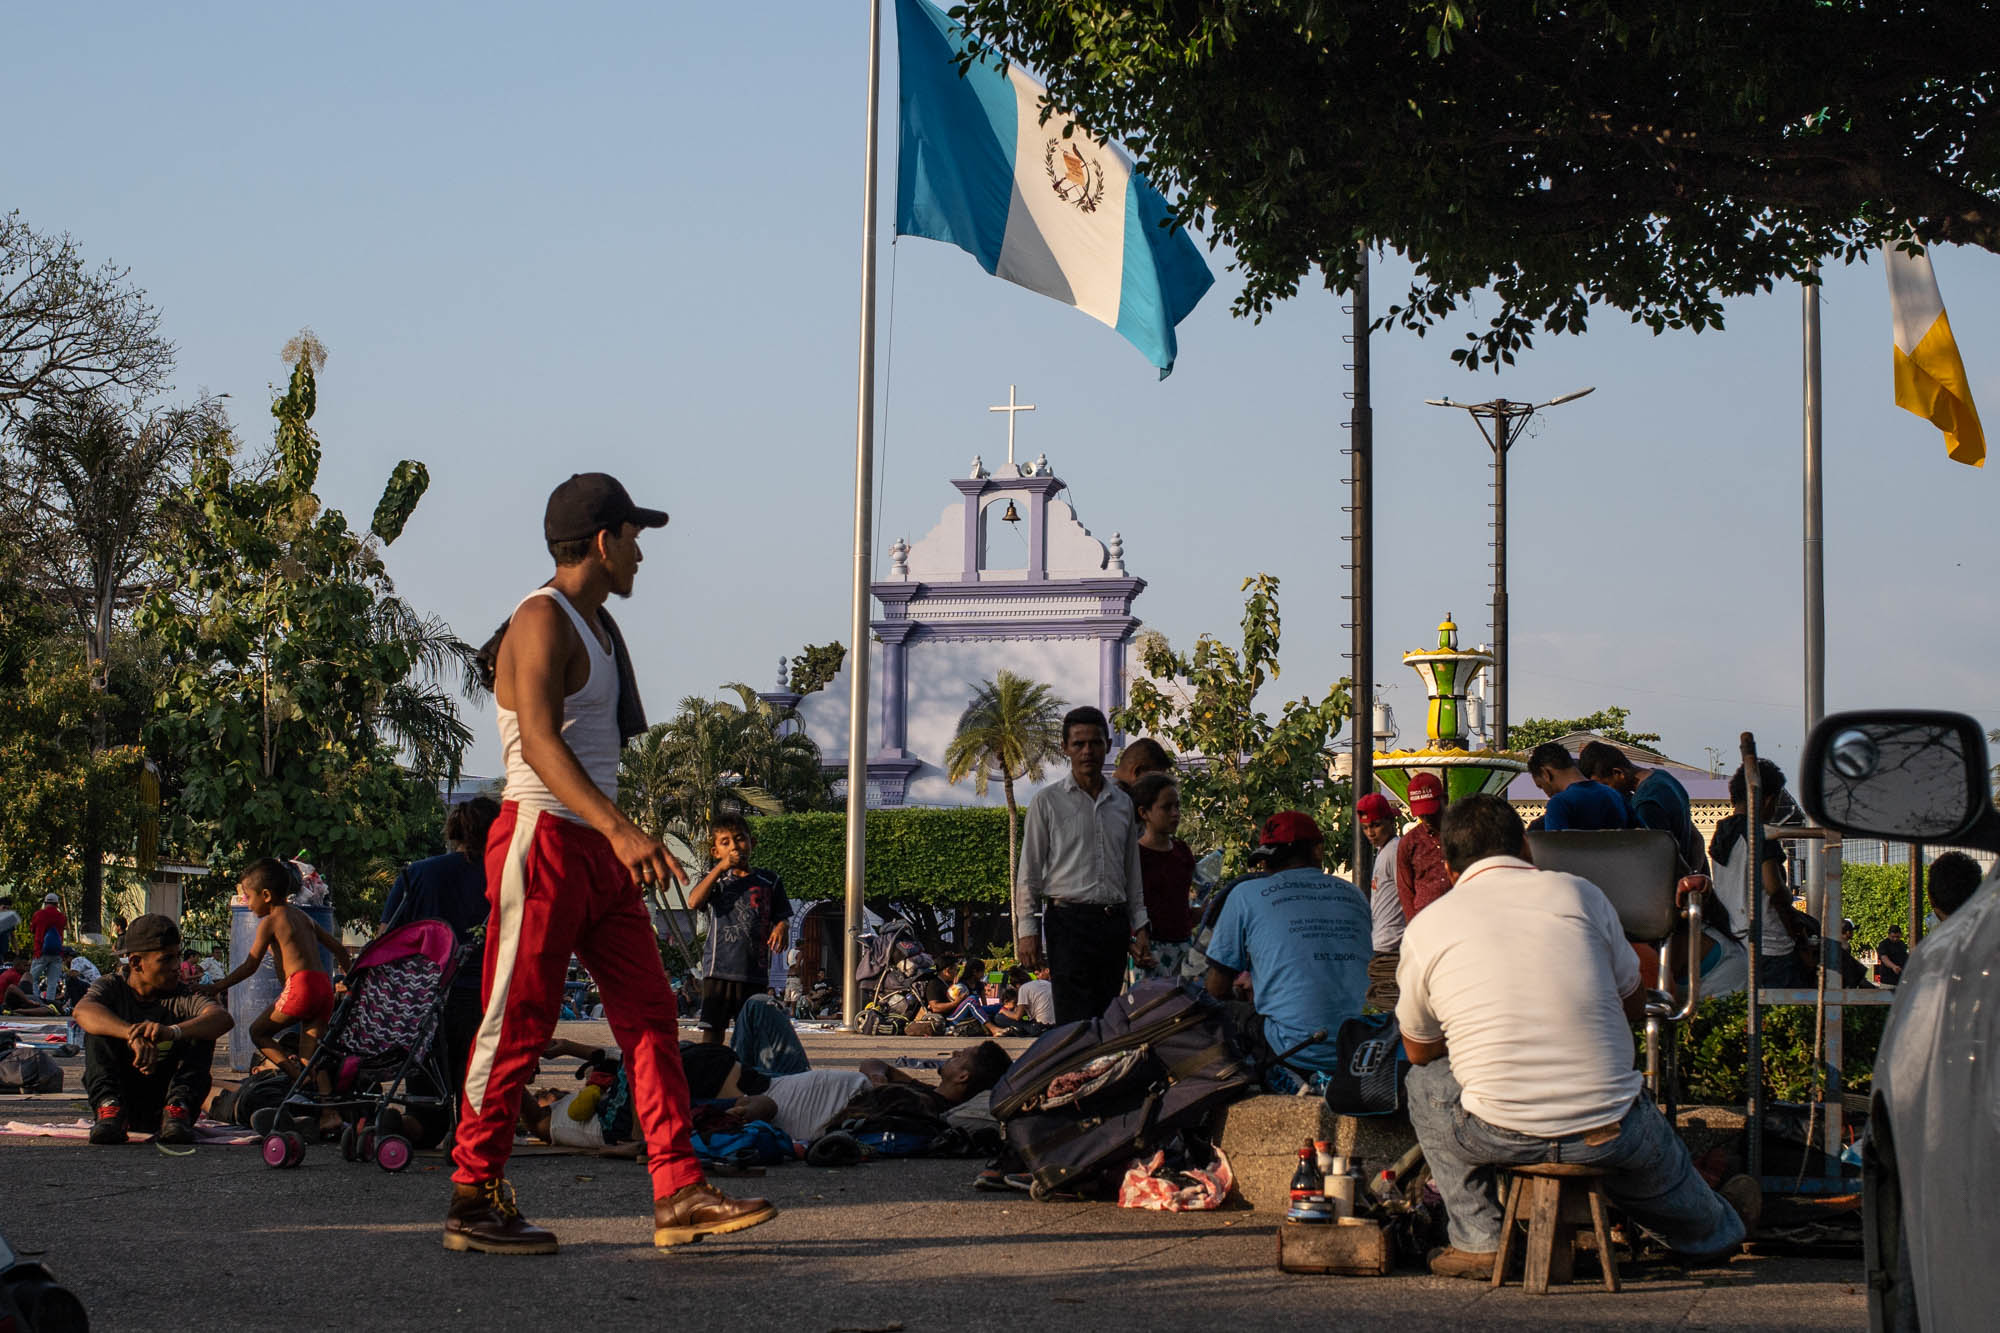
[{"x": 1448, "y": 672}]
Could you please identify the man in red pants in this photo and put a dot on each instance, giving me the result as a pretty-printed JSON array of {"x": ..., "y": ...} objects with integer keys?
[{"x": 561, "y": 866}]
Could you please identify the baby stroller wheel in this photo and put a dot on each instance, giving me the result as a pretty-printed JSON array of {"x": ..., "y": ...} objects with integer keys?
[
  {"x": 1040, "y": 1193},
  {"x": 392, "y": 1152},
  {"x": 870, "y": 1020},
  {"x": 364, "y": 1143},
  {"x": 348, "y": 1144},
  {"x": 283, "y": 1149}
]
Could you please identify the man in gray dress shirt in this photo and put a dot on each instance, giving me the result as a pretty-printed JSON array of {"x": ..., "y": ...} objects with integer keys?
[{"x": 1077, "y": 883}]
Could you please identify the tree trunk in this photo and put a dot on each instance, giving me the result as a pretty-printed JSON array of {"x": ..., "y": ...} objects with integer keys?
[{"x": 90, "y": 908}]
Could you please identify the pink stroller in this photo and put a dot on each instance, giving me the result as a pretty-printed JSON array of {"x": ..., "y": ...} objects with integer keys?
[{"x": 384, "y": 1031}]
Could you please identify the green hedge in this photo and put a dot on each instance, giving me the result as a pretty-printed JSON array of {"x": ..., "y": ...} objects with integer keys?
[
  {"x": 1715, "y": 1042},
  {"x": 1876, "y": 898},
  {"x": 942, "y": 856}
]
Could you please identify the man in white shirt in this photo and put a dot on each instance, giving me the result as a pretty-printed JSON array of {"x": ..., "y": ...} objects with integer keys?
[
  {"x": 1038, "y": 997},
  {"x": 1518, "y": 991},
  {"x": 1078, "y": 881}
]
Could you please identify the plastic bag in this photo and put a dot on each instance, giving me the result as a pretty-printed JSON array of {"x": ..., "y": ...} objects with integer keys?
[{"x": 1148, "y": 1185}]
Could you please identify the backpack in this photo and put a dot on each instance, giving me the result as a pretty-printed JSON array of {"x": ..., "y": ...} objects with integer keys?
[
  {"x": 758, "y": 1143},
  {"x": 25, "y": 1069},
  {"x": 52, "y": 941},
  {"x": 893, "y": 1120},
  {"x": 237, "y": 1105},
  {"x": 1087, "y": 1097},
  {"x": 1368, "y": 1080}
]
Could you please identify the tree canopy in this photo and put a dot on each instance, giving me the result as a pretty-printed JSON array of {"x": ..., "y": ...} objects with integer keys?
[
  {"x": 1654, "y": 157},
  {"x": 1606, "y": 722},
  {"x": 1245, "y": 767},
  {"x": 1011, "y": 728},
  {"x": 297, "y": 673}
]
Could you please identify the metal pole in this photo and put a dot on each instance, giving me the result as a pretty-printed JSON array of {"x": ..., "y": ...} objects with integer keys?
[
  {"x": 864, "y": 490},
  {"x": 1822, "y": 868},
  {"x": 1753, "y": 1059},
  {"x": 1916, "y": 929},
  {"x": 1500, "y": 681},
  {"x": 1815, "y": 577},
  {"x": 1360, "y": 519}
]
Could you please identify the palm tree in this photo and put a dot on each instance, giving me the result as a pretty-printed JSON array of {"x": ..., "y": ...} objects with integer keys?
[
  {"x": 716, "y": 757},
  {"x": 417, "y": 714},
  {"x": 1012, "y": 727}
]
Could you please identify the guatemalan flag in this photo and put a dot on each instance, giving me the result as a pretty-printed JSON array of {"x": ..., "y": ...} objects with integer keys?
[{"x": 1066, "y": 217}]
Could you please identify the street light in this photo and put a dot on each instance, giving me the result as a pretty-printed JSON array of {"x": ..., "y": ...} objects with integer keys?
[{"x": 1507, "y": 418}]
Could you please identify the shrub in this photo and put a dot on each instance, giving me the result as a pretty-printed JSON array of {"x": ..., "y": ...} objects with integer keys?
[
  {"x": 1715, "y": 1044},
  {"x": 1876, "y": 898},
  {"x": 946, "y": 857}
]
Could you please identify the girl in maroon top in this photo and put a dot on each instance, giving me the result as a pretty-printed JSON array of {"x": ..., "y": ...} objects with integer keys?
[{"x": 1166, "y": 869}]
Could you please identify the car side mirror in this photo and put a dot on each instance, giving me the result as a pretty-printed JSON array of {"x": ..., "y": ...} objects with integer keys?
[{"x": 1901, "y": 774}]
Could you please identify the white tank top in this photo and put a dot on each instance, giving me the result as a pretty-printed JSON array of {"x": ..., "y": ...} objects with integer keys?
[{"x": 589, "y": 726}]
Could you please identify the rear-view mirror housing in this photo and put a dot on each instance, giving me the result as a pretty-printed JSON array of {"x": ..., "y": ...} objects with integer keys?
[{"x": 1908, "y": 775}]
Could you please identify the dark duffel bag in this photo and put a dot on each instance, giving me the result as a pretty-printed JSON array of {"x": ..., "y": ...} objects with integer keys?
[
  {"x": 25, "y": 1069},
  {"x": 1088, "y": 1097}
]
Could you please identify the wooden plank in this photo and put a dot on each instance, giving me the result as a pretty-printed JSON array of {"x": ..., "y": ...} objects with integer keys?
[
  {"x": 1514, "y": 1186},
  {"x": 1545, "y": 1233},
  {"x": 1767, "y": 995}
]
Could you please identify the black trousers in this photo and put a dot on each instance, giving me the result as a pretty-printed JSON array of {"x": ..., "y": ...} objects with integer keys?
[
  {"x": 1087, "y": 947},
  {"x": 179, "y": 1075}
]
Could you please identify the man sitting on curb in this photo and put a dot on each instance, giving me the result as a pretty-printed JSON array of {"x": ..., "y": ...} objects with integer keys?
[
  {"x": 148, "y": 1040},
  {"x": 1303, "y": 935},
  {"x": 1518, "y": 995}
]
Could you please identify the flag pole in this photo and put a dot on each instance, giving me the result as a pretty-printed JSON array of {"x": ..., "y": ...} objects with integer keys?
[
  {"x": 864, "y": 490},
  {"x": 1816, "y": 872}
]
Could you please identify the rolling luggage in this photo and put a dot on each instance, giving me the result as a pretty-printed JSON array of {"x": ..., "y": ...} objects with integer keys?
[{"x": 1088, "y": 1097}]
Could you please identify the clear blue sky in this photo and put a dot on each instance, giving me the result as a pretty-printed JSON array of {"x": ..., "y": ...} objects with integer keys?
[{"x": 627, "y": 237}]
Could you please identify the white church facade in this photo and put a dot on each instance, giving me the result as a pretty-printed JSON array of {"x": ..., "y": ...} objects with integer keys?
[{"x": 1009, "y": 579}]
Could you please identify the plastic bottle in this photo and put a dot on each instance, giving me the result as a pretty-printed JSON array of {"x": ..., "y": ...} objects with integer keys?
[
  {"x": 1323, "y": 1157},
  {"x": 1307, "y": 1183}
]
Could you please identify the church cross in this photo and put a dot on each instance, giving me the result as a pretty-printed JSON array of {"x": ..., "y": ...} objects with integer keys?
[{"x": 1010, "y": 408}]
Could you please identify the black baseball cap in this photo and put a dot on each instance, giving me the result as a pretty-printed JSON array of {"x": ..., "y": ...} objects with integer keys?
[
  {"x": 149, "y": 934},
  {"x": 590, "y": 503}
]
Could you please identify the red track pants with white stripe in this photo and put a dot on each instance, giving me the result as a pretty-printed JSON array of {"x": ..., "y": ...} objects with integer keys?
[{"x": 555, "y": 888}]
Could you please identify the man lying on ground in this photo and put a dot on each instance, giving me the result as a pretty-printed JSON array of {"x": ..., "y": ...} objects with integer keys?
[{"x": 802, "y": 1104}]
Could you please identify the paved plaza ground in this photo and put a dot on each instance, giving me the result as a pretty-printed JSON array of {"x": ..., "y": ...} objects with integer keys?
[{"x": 217, "y": 1241}]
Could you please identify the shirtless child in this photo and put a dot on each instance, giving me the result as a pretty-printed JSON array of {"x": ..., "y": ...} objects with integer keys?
[{"x": 307, "y": 997}]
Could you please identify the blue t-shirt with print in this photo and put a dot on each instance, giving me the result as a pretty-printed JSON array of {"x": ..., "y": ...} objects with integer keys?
[
  {"x": 1587, "y": 805},
  {"x": 1304, "y": 938},
  {"x": 741, "y": 911}
]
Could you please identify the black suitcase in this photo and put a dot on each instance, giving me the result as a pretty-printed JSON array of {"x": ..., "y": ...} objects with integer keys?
[{"x": 1088, "y": 1097}]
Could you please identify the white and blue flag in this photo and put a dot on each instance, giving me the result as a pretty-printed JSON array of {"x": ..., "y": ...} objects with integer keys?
[{"x": 1063, "y": 216}]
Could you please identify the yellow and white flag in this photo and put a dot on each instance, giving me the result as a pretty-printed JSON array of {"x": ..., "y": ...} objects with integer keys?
[{"x": 1930, "y": 377}]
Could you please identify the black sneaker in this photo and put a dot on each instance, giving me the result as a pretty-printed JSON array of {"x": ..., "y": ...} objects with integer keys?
[
  {"x": 176, "y": 1125},
  {"x": 110, "y": 1126}
]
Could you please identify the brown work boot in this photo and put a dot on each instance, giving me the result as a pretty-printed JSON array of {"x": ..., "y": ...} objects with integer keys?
[
  {"x": 1449, "y": 1262},
  {"x": 484, "y": 1217},
  {"x": 700, "y": 1210}
]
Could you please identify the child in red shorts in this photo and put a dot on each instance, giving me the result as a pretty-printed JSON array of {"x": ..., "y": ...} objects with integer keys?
[{"x": 307, "y": 997}]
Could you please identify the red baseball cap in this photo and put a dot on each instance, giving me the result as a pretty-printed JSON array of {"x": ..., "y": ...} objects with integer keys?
[
  {"x": 1426, "y": 794},
  {"x": 1289, "y": 826},
  {"x": 1374, "y": 806}
]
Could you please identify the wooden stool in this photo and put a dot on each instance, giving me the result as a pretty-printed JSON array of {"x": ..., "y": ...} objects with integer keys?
[{"x": 1559, "y": 1199}]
